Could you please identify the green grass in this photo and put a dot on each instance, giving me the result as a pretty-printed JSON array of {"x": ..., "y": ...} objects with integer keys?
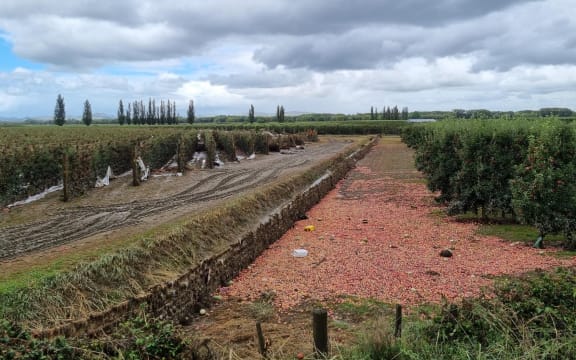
[
  {"x": 358, "y": 309},
  {"x": 527, "y": 235},
  {"x": 35, "y": 273},
  {"x": 518, "y": 233}
]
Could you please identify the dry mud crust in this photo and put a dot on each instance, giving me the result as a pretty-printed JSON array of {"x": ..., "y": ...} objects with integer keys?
[{"x": 123, "y": 210}]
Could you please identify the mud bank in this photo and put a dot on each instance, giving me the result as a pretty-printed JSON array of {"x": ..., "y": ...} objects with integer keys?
[{"x": 181, "y": 299}]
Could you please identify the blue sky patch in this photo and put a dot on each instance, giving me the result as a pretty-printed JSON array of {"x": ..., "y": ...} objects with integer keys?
[{"x": 10, "y": 61}]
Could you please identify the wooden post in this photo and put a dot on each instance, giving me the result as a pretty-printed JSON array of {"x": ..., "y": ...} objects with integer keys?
[
  {"x": 398, "y": 322},
  {"x": 261, "y": 342},
  {"x": 320, "y": 332}
]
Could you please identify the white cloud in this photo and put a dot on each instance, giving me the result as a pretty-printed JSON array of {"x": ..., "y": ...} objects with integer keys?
[{"x": 315, "y": 55}]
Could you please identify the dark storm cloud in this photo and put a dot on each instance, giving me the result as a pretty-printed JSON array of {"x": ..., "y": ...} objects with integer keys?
[
  {"x": 498, "y": 41},
  {"x": 85, "y": 33}
]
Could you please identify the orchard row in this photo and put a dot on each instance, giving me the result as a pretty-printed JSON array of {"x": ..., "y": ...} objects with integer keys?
[
  {"x": 76, "y": 157},
  {"x": 523, "y": 168}
]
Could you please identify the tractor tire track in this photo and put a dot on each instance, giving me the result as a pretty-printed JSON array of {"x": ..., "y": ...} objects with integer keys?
[{"x": 76, "y": 223}]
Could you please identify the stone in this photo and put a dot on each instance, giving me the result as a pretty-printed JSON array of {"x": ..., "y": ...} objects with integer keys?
[{"x": 446, "y": 253}]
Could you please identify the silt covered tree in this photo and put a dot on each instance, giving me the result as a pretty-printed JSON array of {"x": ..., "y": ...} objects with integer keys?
[
  {"x": 190, "y": 115},
  {"x": 87, "y": 114},
  {"x": 60, "y": 111}
]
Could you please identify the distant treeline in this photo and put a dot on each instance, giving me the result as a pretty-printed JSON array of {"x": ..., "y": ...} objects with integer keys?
[{"x": 165, "y": 113}]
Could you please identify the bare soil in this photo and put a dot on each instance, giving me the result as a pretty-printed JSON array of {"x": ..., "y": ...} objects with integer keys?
[{"x": 107, "y": 217}]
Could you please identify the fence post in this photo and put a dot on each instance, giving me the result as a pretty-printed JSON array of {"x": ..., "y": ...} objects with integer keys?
[
  {"x": 320, "y": 332},
  {"x": 398, "y": 322},
  {"x": 261, "y": 342}
]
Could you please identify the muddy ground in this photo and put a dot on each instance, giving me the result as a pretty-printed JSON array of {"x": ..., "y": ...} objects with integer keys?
[{"x": 49, "y": 227}]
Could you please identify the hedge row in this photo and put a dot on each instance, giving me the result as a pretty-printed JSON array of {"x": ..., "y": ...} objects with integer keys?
[
  {"x": 520, "y": 167},
  {"x": 353, "y": 127}
]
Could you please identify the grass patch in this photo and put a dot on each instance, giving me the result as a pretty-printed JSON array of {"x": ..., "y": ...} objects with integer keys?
[
  {"x": 508, "y": 229},
  {"x": 261, "y": 310},
  {"x": 359, "y": 309},
  {"x": 25, "y": 275},
  {"x": 518, "y": 233},
  {"x": 530, "y": 317}
]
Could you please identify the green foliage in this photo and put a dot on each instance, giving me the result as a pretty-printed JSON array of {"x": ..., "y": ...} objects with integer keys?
[
  {"x": 121, "y": 115},
  {"x": 33, "y": 157},
  {"x": 27, "y": 171},
  {"x": 78, "y": 173},
  {"x": 225, "y": 141},
  {"x": 87, "y": 114},
  {"x": 530, "y": 317},
  {"x": 190, "y": 114},
  {"x": 262, "y": 143},
  {"x": 544, "y": 189},
  {"x": 15, "y": 343},
  {"x": 378, "y": 342},
  {"x": 210, "y": 144},
  {"x": 521, "y": 167},
  {"x": 251, "y": 117},
  {"x": 148, "y": 339},
  {"x": 59, "y": 111},
  {"x": 544, "y": 299},
  {"x": 326, "y": 127},
  {"x": 137, "y": 338},
  {"x": 245, "y": 141},
  {"x": 157, "y": 151}
]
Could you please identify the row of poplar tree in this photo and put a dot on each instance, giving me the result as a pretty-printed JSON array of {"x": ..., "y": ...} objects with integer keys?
[
  {"x": 389, "y": 113},
  {"x": 136, "y": 112}
]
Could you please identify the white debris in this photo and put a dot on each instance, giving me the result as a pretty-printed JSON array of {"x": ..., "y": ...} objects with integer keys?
[
  {"x": 145, "y": 169},
  {"x": 300, "y": 253},
  {"x": 217, "y": 160},
  {"x": 37, "y": 196},
  {"x": 252, "y": 157},
  {"x": 105, "y": 181},
  {"x": 171, "y": 164}
]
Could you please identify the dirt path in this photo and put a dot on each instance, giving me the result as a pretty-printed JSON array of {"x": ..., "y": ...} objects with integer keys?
[{"x": 121, "y": 210}]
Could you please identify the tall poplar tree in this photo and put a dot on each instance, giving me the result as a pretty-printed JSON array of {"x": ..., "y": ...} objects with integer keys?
[
  {"x": 251, "y": 114},
  {"x": 60, "y": 111},
  {"x": 87, "y": 114},
  {"x": 190, "y": 115},
  {"x": 121, "y": 115},
  {"x": 129, "y": 114}
]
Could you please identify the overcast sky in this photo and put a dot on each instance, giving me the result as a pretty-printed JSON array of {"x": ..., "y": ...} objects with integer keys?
[{"x": 308, "y": 55}]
